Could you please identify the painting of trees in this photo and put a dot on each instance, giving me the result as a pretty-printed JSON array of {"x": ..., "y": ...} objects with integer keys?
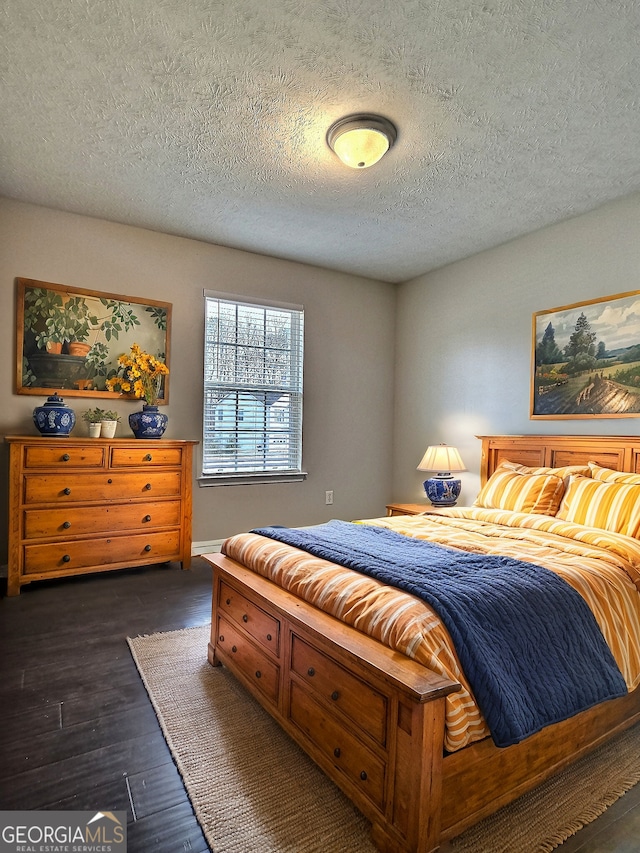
[{"x": 586, "y": 359}]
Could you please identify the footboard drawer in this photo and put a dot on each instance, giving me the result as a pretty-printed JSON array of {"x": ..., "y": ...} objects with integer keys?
[
  {"x": 254, "y": 620},
  {"x": 362, "y": 768},
  {"x": 241, "y": 653},
  {"x": 349, "y": 695}
]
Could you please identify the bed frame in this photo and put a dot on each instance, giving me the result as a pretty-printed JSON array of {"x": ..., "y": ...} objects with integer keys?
[{"x": 371, "y": 718}]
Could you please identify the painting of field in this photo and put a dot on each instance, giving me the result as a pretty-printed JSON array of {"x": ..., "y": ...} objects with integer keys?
[{"x": 586, "y": 359}]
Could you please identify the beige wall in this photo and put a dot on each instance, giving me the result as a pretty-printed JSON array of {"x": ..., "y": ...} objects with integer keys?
[
  {"x": 463, "y": 353},
  {"x": 349, "y": 338},
  {"x": 461, "y": 345}
]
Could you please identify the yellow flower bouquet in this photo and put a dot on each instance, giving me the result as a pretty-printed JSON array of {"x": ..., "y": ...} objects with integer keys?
[{"x": 140, "y": 375}]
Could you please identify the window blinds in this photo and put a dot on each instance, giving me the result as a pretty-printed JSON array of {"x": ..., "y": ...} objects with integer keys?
[{"x": 253, "y": 368}]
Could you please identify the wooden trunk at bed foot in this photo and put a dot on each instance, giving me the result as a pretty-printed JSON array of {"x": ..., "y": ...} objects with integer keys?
[
  {"x": 370, "y": 718},
  {"x": 481, "y": 779}
]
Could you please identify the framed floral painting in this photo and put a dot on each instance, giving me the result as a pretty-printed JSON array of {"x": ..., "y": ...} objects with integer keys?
[
  {"x": 586, "y": 359},
  {"x": 69, "y": 339}
]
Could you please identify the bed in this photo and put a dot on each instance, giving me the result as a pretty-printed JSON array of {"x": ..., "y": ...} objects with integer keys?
[{"x": 366, "y": 678}]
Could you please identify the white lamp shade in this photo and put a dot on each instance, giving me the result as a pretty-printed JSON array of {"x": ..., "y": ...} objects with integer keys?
[{"x": 441, "y": 458}]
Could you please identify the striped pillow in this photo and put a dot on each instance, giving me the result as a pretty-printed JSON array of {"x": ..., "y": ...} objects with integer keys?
[
  {"x": 608, "y": 475},
  {"x": 607, "y": 506},
  {"x": 510, "y": 489}
]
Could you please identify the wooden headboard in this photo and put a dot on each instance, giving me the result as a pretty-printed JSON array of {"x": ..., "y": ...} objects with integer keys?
[{"x": 620, "y": 452}]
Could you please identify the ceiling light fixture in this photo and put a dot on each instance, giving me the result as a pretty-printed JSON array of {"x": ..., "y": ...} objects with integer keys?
[{"x": 361, "y": 140}]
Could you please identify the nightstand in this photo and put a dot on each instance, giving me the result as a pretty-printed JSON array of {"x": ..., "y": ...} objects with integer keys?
[{"x": 407, "y": 509}]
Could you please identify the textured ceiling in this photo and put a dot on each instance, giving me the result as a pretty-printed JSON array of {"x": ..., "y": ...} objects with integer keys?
[{"x": 208, "y": 120}]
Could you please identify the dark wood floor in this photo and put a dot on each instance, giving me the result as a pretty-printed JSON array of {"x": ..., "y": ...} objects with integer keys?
[{"x": 78, "y": 731}]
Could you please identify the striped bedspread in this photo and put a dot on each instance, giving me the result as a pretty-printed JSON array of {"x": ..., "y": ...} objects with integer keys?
[{"x": 601, "y": 567}]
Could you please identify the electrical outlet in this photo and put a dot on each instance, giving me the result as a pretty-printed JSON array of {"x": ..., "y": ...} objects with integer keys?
[{"x": 328, "y": 497}]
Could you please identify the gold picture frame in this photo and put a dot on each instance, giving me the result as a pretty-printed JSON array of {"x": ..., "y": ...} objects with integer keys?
[
  {"x": 69, "y": 338},
  {"x": 586, "y": 359}
]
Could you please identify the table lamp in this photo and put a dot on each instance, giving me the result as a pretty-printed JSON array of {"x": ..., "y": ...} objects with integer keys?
[{"x": 443, "y": 489}]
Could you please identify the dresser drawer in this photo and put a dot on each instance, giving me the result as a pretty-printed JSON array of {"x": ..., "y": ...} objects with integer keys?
[
  {"x": 253, "y": 664},
  {"x": 364, "y": 769},
  {"x": 77, "y": 554},
  {"x": 260, "y": 625},
  {"x": 138, "y": 457},
  {"x": 65, "y": 488},
  {"x": 109, "y": 518},
  {"x": 340, "y": 688},
  {"x": 56, "y": 456}
]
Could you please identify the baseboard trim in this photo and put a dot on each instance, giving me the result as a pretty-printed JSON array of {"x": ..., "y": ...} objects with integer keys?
[{"x": 213, "y": 546}]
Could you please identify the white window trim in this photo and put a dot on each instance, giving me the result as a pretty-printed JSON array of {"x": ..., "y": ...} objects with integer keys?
[{"x": 257, "y": 477}]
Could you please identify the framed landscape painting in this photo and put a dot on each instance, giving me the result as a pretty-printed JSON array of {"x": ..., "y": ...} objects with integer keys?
[
  {"x": 586, "y": 359},
  {"x": 69, "y": 339}
]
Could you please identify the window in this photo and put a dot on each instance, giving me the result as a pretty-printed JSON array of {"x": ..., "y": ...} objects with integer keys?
[{"x": 252, "y": 428}]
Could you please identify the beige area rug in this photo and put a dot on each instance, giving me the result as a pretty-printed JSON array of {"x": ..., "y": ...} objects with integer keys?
[{"x": 254, "y": 790}]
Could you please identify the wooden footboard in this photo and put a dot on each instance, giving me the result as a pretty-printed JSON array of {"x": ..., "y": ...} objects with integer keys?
[{"x": 372, "y": 719}]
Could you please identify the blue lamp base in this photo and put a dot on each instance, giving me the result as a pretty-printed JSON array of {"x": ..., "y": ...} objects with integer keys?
[{"x": 442, "y": 491}]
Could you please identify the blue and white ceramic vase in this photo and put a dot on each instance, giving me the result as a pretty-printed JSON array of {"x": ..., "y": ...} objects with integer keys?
[
  {"x": 443, "y": 491},
  {"x": 149, "y": 423},
  {"x": 54, "y": 417}
]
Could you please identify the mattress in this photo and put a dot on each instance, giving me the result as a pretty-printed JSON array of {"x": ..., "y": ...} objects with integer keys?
[{"x": 602, "y": 567}]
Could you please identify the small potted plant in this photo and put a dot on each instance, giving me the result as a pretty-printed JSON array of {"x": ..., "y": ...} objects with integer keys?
[
  {"x": 110, "y": 422},
  {"x": 94, "y": 418}
]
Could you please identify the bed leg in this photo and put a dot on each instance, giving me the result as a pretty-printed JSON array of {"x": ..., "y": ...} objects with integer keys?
[
  {"x": 414, "y": 819},
  {"x": 211, "y": 656}
]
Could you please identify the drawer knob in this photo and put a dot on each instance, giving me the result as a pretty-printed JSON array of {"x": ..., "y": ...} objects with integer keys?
[
  {"x": 221, "y": 638},
  {"x": 66, "y": 558},
  {"x": 67, "y": 525},
  {"x": 258, "y": 674},
  {"x": 148, "y": 487},
  {"x": 245, "y": 618},
  {"x": 269, "y": 637},
  {"x": 66, "y": 491},
  {"x": 228, "y": 601},
  {"x": 311, "y": 671},
  {"x": 109, "y": 481},
  {"x": 148, "y": 457},
  {"x": 335, "y": 695},
  {"x": 363, "y": 775},
  {"x": 147, "y": 547},
  {"x": 336, "y": 752},
  {"x": 65, "y": 457},
  {"x": 147, "y": 518},
  {"x": 234, "y": 649}
]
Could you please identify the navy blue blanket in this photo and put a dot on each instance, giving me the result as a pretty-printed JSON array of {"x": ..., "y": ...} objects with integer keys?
[{"x": 527, "y": 641}]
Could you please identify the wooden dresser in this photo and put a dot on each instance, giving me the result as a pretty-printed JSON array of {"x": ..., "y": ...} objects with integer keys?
[{"x": 79, "y": 505}]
